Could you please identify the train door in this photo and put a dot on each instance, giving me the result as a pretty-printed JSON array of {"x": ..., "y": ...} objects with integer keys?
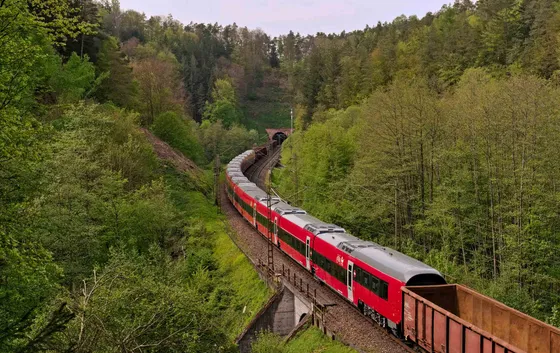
[
  {"x": 350, "y": 279},
  {"x": 276, "y": 230},
  {"x": 307, "y": 253},
  {"x": 255, "y": 214}
]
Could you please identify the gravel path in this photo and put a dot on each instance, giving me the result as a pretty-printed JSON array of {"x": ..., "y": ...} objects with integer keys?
[{"x": 342, "y": 318}]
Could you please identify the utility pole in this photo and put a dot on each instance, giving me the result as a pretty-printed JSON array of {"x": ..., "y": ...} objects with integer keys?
[
  {"x": 294, "y": 156},
  {"x": 270, "y": 234},
  {"x": 291, "y": 120},
  {"x": 217, "y": 181}
]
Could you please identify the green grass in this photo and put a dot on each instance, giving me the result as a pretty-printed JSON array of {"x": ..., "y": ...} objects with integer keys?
[
  {"x": 312, "y": 340},
  {"x": 250, "y": 292},
  {"x": 242, "y": 291}
]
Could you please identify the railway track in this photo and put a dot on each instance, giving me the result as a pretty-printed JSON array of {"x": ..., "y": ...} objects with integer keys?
[
  {"x": 342, "y": 318},
  {"x": 257, "y": 172}
]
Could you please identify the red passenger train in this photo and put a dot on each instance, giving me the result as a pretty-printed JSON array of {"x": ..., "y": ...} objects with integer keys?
[
  {"x": 366, "y": 274},
  {"x": 399, "y": 292}
]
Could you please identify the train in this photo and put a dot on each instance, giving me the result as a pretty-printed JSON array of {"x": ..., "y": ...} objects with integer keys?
[{"x": 403, "y": 295}]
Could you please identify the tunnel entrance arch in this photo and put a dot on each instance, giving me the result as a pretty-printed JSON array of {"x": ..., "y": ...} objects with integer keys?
[{"x": 278, "y": 135}]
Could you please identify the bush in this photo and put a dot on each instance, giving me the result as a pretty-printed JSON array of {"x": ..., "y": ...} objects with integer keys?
[{"x": 179, "y": 133}]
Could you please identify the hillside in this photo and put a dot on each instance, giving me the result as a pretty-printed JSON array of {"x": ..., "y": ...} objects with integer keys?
[{"x": 436, "y": 135}]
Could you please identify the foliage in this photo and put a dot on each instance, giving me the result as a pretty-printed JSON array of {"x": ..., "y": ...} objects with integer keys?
[
  {"x": 60, "y": 20},
  {"x": 434, "y": 135},
  {"x": 217, "y": 140},
  {"x": 180, "y": 133},
  {"x": 159, "y": 85},
  {"x": 116, "y": 309},
  {"x": 117, "y": 83},
  {"x": 464, "y": 181},
  {"x": 29, "y": 278},
  {"x": 267, "y": 342},
  {"x": 224, "y": 104},
  {"x": 307, "y": 341},
  {"x": 555, "y": 317},
  {"x": 74, "y": 79}
]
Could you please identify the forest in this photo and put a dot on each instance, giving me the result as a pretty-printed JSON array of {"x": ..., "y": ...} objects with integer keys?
[
  {"x": 103, "y": 247},
  {"x": 437, "y": 136}
]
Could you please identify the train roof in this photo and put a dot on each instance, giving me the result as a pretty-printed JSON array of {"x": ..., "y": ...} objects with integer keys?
[
  {"x": 284, "y": 209},
  {"x": 335, "y": 239},
  {"x": 387, "y": 260},
  {"x": 264, "y": 200},
  {"x": 235, "y": 174},
  {"x": 246, "y": 184},
  {"x": 240, "y": 179},
  {"x": 322, "y": 227},
  {"x": 301, "y": 220},
  {"x": 257, "y": 194},
  {"x": 250, "y": 189}
]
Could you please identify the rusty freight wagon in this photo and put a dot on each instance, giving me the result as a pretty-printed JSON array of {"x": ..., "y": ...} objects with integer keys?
[{"x": 455, "y": 319}]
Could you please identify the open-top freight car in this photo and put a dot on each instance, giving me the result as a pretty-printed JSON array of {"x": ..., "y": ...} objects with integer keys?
[{"x": 455, "y": 319}]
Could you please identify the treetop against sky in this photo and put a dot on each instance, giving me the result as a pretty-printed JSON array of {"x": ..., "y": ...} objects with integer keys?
[{"x": 280, "y": 16}]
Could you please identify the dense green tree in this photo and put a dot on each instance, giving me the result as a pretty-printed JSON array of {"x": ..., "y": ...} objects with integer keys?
[
  {"x": 74, "y": 80},
  {"x": 159, "y": 82},
  {"x": 224, "y": 106},
  {"x": 180, "y": 133},
  {"x": 117, "y": 83}
]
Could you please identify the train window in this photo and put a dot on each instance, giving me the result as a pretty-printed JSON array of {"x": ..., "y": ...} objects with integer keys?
[
  {"x": 374, "y": 284},
  {"x": 371, "y": 282},
  {"x": 384, "y": 290}
]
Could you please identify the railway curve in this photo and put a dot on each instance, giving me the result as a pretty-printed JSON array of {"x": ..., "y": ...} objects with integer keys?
[{"x": 342, "y": 318}]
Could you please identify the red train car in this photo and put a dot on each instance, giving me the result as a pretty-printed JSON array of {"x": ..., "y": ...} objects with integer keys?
[
  {"x": 399, "y": 292},
  {"x": 366, "y": 274}
]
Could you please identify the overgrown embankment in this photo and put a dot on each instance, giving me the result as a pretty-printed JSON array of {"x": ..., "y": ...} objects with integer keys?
[
  {"x": 241, "y": 293},
  {"x": 311, "y": 340}
]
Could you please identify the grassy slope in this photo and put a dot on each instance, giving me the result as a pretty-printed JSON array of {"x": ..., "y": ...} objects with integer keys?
[
  {"x": 312, "y": 340},
  {"x": 250, "y": 292},
  {"x": 188, "y": 187},
  {"x": 244, "y": 292}
]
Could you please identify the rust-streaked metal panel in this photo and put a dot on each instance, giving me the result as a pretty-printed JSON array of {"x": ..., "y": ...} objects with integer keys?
[
  {"x": 420, "y": 322},
  {"x": 539, "y": 340},
  {"x": 455, "y": 337},
  {"x": 440, "y": 332},
  {"x": 554, "y": 342},
  {"x": 410, "y": 317},
  {"x": 499, "y": 349},
  {"x": 519, "y": 331},
  {"x": 486, "y": 317},
  {"x": 500, "y": 317},
  {"x": 487, "y": 346},
  {"x": 472, "y": 342},
  {"x": 465, "y": 306},
  {"x": 429, "y": 326}
]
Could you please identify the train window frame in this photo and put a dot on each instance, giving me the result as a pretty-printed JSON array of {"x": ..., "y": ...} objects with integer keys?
[{"x": 372, "y": 283}]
